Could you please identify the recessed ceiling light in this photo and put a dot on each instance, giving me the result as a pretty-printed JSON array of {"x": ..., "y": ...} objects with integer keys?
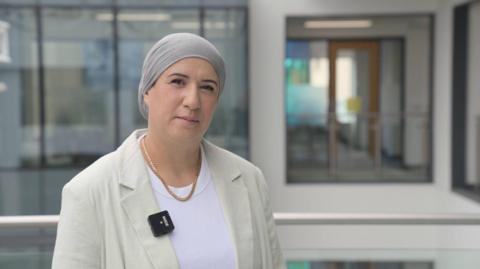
[
  {"x": 134, "y": 17},
  {"x": 338, "y": 24}
]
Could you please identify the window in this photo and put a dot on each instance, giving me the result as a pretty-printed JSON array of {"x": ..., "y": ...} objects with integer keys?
[
  {"x": 78, "y": 77},
  {"x": 357, "y": 99},
  {"x": 227, "y": 30},
  {"x": 19, "y": 88}
]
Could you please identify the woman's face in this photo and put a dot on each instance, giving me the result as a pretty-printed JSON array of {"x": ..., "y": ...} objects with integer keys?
[{"x": 182, "y": 100}]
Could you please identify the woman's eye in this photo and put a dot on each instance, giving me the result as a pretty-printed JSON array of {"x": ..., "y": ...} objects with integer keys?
[
  {"x": 177, "y": 81},
  {"x": 208, "y": 87}
]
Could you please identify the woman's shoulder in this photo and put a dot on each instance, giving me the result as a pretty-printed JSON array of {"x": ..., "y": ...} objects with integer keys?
[
  {"x": 228, "y": 157},
  {"x": 225, "y": 160},
  {"x": 251, "y": 175},
  {"x": 95, "y": 176}
]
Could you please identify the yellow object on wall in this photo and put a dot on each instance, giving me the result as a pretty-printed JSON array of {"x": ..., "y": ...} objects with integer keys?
[{"x": 354, "y": 104}]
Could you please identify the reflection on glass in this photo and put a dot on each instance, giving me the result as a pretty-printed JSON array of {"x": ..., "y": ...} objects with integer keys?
[
  {"x": 352, "y": 94},
  {"x": 19, "y": 95},
  {"x": 306, "y": 71},
  {"x": 32, "y": 192},
  {"x": 373, "y": 134},
  {"x": 226, "y": 29},
  {"x": 30, "y": 248},
  {"x": 79, "y": 86},
  {"x": 138, "y": 30}
]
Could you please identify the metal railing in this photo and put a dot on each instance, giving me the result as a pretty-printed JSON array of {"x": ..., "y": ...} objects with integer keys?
[
  {"x": 31, "y": 221},
  {"x": 46, "y": 221},
  {"x": 375, "y": 219}
]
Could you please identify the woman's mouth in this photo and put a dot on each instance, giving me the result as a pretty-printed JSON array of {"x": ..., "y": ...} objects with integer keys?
[{"x": 189, "y": 119}]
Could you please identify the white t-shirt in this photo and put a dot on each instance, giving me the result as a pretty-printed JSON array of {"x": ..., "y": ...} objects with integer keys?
[{"x": 201, "y": 238}]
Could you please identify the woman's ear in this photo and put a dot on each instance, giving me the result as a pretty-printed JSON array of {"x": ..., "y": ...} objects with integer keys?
[{"x": 146, "y": 98}]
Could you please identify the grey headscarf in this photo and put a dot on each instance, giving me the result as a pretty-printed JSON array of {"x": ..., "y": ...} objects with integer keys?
[{"x": 169, "y": 50}]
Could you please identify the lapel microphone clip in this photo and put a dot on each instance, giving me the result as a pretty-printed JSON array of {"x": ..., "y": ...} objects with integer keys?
[{"x": 161, "y": 223}]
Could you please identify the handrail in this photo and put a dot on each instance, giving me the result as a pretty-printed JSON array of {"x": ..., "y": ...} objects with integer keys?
[
  {"x": 46, "y": 221},
  {"x": 375, "y": 219},
  {"x": 29, "y": 221}
]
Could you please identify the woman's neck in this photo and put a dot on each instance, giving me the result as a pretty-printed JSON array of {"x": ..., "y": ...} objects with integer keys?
[{"x": 178, "y": 164}]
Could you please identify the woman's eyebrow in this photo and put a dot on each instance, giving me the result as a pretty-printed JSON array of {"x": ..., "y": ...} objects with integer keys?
[{"x": 178, "y": 74}]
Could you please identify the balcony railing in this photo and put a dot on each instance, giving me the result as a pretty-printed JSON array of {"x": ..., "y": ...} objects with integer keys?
[{"x": 48, "y": 221}]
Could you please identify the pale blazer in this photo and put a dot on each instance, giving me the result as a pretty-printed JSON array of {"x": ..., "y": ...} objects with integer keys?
[{"x": 103, "y": 218}]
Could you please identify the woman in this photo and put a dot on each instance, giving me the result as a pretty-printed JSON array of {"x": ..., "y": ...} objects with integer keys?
[{"x": 167, "y": 198}]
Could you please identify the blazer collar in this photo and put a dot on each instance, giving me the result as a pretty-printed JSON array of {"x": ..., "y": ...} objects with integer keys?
[
  {"x": 138, "y": 200},
  {"x": 234, "y": 199}
]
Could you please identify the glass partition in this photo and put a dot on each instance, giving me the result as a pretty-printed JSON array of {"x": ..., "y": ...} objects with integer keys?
[
  {"x": 27, "y": 248},
  {"x": 78, "y": 69},
  {"x": 69, "y": 76},
  {"x": 306, "y": 97},
  {"x": 19, "y": 89},
  {"x": 226, "y": 29},
  {"x": 357, "y": 99}
]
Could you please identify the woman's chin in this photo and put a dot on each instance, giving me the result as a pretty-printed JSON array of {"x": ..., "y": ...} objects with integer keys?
[{"x": 186, "y": 135}]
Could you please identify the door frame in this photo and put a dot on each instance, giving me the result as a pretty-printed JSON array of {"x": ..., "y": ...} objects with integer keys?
[{"x": 373, "y": 48}]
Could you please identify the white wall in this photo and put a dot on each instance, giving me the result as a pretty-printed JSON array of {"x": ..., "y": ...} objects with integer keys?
[{"x": 267, "y": 124}]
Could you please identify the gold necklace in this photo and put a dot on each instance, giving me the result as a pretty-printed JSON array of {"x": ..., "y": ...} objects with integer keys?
[{"x": 181, "y": 199}]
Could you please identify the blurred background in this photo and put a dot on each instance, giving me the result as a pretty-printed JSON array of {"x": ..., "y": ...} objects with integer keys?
[{"x": 350, "y": 108}]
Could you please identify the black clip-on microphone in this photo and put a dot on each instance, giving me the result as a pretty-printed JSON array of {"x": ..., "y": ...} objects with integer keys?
[{"x": 160, "y": 223}]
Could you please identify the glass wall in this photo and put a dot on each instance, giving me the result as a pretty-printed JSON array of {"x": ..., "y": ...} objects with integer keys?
[
  {"x": 306, "y": 99},
  {"x": 357, "y": 99},
  {"x": 227, "y": 30},
  {"x": 69, "y": 73},
  {"x": 19, "y": 89},
  {"x": 78, "y": 79}
]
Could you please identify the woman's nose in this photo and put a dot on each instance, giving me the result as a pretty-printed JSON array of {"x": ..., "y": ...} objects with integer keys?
[{"x": 192, "y": 97}]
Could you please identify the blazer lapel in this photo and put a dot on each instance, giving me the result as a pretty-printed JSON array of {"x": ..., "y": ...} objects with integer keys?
[
  {"x": 138, "y": 201},
  {"x": 234, "y": 199}
]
